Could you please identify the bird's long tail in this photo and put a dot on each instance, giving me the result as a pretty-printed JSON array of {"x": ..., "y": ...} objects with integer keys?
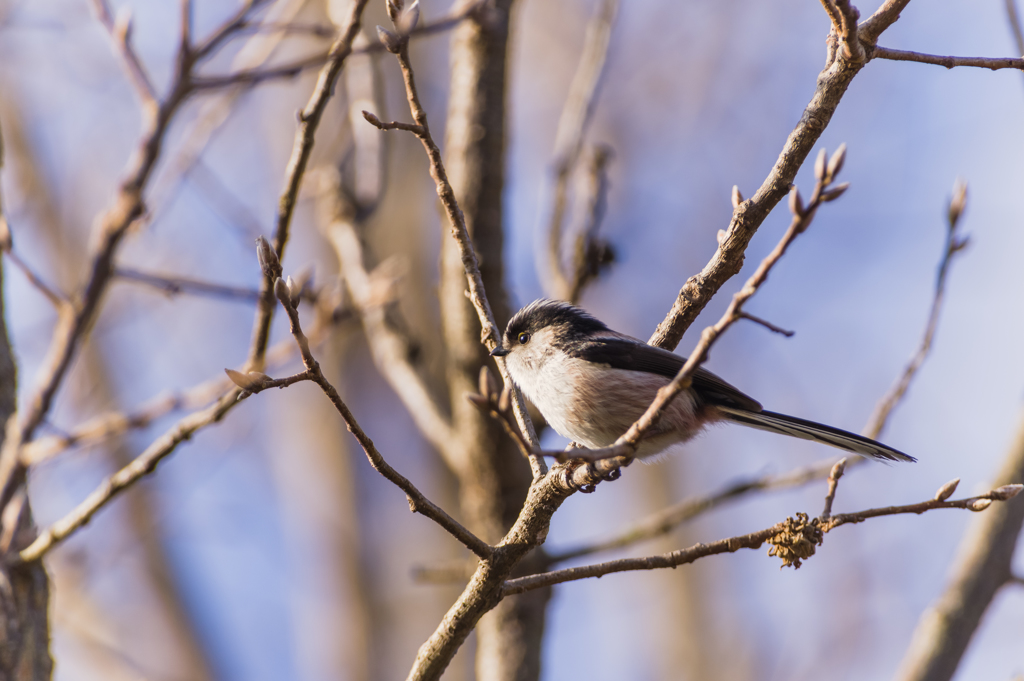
[{"x": 809, "y": 430}]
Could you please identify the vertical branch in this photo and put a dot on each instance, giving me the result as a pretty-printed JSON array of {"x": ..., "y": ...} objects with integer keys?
[
  {"x": 983, "y": 565},
  {"x": 493, "y": 478},
  {"x": 572, "y": 126},
  {"x": 24, "y": 589}
]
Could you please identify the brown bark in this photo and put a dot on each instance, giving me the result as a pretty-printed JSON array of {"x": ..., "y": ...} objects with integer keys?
[
  {"x": 493, "y": 476},
  {"x": 982, "y": 568},
  {"x": 24, "y": 589}
]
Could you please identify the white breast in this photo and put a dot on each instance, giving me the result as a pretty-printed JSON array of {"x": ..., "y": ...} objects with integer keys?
[{"x": 594, "y": 404}]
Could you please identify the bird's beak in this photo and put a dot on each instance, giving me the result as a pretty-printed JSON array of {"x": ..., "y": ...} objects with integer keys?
[{"x": 499, "y": 352}]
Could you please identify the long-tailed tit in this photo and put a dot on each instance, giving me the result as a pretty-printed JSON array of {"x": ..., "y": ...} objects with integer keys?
[{"x": 592, "y": 383}]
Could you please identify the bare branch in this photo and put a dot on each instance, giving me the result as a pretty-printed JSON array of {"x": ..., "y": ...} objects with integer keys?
[
  {"x": 128, "y": 207},
  {"x": 991, "y": 63},
  {"x": 120, "y": 30},
  {"x": 955, "y": 243},
  {"x": 107, "y": 425},
  {"x": 768, "y": 325},
  {"x": 884, "y": 17},
  {"x": 56, "y": 298},
  {"x": 591, "y": 253},
  {"x": 833, "y": 485},
  {"x": 846, "y": 30},
  {"x": 231, "y": 26},
  {"x": 178, "y": 285},
  {"x": 753, "y": 540},
  {"x": 666, "y": 520},
  {"x": 302, "y": 147},
  {"x": 802, "y": 217},
  {"x": 143, "y": 465},
  {"x": 254, "y": 76},
  {"x": 418, "y": 503},
  {"x": 572, "y": 126},
  {"x": 983, "y": 564},
  {"x": 490, "y": 335}
]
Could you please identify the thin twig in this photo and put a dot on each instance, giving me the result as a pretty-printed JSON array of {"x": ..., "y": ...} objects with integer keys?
[
  {"x": 490, "y": 335},
  {"x": 955, "y": 243},
  {"x": 120, "y": 30},
  {"x": 302, "y": 147},
  {"x": 254, "y": 76},
  {"x": 753, "y": 540},
  {"x": 178, "y": 285},
  {"x": 802, "y": 217},
  {"x": 144, "y": 464},
  {"x": 1015, "y": 27},
  {"x": 127, "y": 208},
  {"x": 991, "y": 63},
  {"x": 884, "y": 17},
  {"x": 833, "y": 485},
  {"x": 418, "y": 503},
  {"x": 104, "y": 426},
  {"x": 767, "y": 324},
  {"x": 56, "y": 298}
]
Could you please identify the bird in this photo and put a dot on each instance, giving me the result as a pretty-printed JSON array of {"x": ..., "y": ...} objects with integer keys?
[{"x": 591, "y": 383}]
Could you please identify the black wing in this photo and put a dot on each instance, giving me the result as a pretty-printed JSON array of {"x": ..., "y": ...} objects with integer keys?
[{"x": 633, "y": 355}]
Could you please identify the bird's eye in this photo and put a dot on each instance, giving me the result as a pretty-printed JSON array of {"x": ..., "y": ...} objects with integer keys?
[{"x": 524, "y": 338}]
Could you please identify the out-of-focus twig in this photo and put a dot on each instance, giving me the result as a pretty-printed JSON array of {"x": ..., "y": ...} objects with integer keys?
[
  {"x": 142, "y": 465},
  {"x": 983, "y": 564},
  {"x": 955, "y": 243},
  {"x": 1015, "y": 28},
  {"x": 572, "y": 127},
  {"x": 128, "y": 207},
  {"x": 591, "y": 253},
  {"x": 391, "y": 349},
  {"x": 104, "y": 426},
  {"x": 254, "y": 76},
  {"x": 173, "y": 285}
]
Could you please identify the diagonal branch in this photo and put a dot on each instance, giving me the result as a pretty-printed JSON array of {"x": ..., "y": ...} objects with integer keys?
[
  {"x": 302, "y": 147},
  {"x": 72, "y": 327},
  {"x": 104, "y": 426},
  {"x": 418, "y": 503},
  {"x": 623, "y": 448},
  {"x": 143, "y": 465},
  {"x": 391, "y": 350},
  {"x": 490, "y": 335},
  {"x": 955, "y": 243},
  {"x": 748, "y": 215}
]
